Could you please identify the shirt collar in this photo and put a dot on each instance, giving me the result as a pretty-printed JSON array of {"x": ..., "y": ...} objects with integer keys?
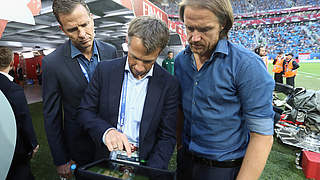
[
  {"x": 7, "y": 75},
  {"x": 149, "y": 74},
  {"x": 222, "y": 47},
  {"x": 75, "y": 51}
]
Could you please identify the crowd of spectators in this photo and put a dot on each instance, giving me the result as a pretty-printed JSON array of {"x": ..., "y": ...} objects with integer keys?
[
  {"x": 275, "y": 15},
  {"x": 171, "y": 7},
  {"x": 243, "y": 6},
  {"x": 294, "y": 37},
  {"x": 307, "y": 2},
  {"x": 244, "y": 36},
  {"x": 248, "y": 6}
]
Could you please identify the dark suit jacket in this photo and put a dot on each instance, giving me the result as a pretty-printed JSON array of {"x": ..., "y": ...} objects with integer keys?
[
  {"x": 99, "y": 109},
  {"x": 26, "y": 137},
  {"x": 63, "y": 88}
]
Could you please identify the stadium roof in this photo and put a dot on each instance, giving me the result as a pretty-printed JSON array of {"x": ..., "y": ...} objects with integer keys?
[{"x": 110, "y": 20}]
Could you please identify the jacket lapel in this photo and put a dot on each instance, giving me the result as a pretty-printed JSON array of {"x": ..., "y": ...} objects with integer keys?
[
  {"x": 74, "y": 67},
  {"x": 115, "y": 86},
  {"x": 155, "y": 86},
  {"x": 101, "y": 51}
]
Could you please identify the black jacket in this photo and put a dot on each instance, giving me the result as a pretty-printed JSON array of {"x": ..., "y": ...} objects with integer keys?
[
  {"x": 63, "y": 88},
  {"x": 26, "y": 137}
]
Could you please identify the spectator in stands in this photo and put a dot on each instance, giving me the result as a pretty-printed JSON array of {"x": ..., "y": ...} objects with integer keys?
[
  {"x": 290, "y": 69},
  {"x": 278, "y": 67},
  {"x": 168, "y": 63}
]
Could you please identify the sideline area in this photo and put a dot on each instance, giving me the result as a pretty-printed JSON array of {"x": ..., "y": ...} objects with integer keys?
[
  {"x": 33, "y": 93},
  {"x": 280, "y": 165}
]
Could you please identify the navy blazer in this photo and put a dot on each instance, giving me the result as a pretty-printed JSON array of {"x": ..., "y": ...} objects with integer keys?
[
  {"x": 63, "y": 87},
  {"x": 26, "y": 137},
  {"x": 99, "y": 110}
]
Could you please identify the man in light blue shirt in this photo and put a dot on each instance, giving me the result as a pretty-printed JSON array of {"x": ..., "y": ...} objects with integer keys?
[
  {"x": 136, "y": 95},
  {"x": 131, "y": 103}
]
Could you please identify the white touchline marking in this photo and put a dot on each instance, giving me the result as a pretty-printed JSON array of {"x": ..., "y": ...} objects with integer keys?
[{"x": 309, "y": 73}]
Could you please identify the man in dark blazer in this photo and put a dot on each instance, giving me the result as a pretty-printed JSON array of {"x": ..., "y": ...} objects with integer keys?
[
  {"x": 26, "y": 143},
  {"x": 148, "y": 111},
  {"x": 66, "y": 73}
]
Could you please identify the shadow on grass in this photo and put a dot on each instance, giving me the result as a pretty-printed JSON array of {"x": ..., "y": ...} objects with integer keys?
[{"x": 280, "y": 165}]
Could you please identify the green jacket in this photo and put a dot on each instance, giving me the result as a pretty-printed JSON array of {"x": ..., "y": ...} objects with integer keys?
[{"x": 168, "y": 64}]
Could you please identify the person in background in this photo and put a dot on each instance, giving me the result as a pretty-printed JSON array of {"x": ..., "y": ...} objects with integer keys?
[
  {"x": 39, "y": 73},
  {"x": 226, "y": 104},
  {"x": 131, "y": 103},
  {"x": 13, "y": 74},
  {"x": 262, "y": 52},
  {"x": 168, "y": 63},
  {"x": 65, "y": 76},
  {"x": 20, "y": 75},
  {"x": 26, "y": 144},
  {"x": 278, "y": 67},
  {"x": 290, "y": 69}
]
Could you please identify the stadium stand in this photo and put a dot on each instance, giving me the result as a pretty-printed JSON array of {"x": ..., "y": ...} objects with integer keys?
[
  {"x": 243, "y": 6},
  {"x": 283, "y": 25},
  {"x": 294, "y": 37}
]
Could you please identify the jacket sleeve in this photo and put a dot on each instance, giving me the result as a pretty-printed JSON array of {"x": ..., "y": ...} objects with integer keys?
[
  {"x": 166, "y": 138},
  {"x": 114, "y": 54},
  {"x": 88, "y": 111},
  {"x": 52, "y": 112},
  {"x": 23, "y": 118}
]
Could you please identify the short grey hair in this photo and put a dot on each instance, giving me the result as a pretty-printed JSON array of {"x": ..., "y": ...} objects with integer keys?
[
  {"x": 221, "y": 8},
  {"x": 153, "y": 32},
  {"x": 6, "y": 57},
  {"x": 66, "y": 7}
]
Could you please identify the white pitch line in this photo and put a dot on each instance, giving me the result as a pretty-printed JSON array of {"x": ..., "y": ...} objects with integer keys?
[{"x": 309, "y": 73}]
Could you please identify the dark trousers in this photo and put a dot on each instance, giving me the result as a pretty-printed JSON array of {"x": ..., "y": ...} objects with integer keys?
[
  {"x": 191, "y": 170},
  {"x": 290, "y": 81},
  {"x": 278, "y": 78},
  {"x": 20, "y": 170}
]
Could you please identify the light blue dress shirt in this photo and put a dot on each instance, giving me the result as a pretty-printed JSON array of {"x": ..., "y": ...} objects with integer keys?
[{"x": 136, "y": 95}]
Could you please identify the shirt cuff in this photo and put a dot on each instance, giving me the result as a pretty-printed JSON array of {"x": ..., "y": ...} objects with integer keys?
[
  {"x": 105, "y": 133},
  {"x": 263, "y": 126}
]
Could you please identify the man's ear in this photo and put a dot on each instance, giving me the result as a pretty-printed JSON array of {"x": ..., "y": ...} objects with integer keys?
[
  {"x": 91, "y": 16},
  {"x": 221, "y": 28}
]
